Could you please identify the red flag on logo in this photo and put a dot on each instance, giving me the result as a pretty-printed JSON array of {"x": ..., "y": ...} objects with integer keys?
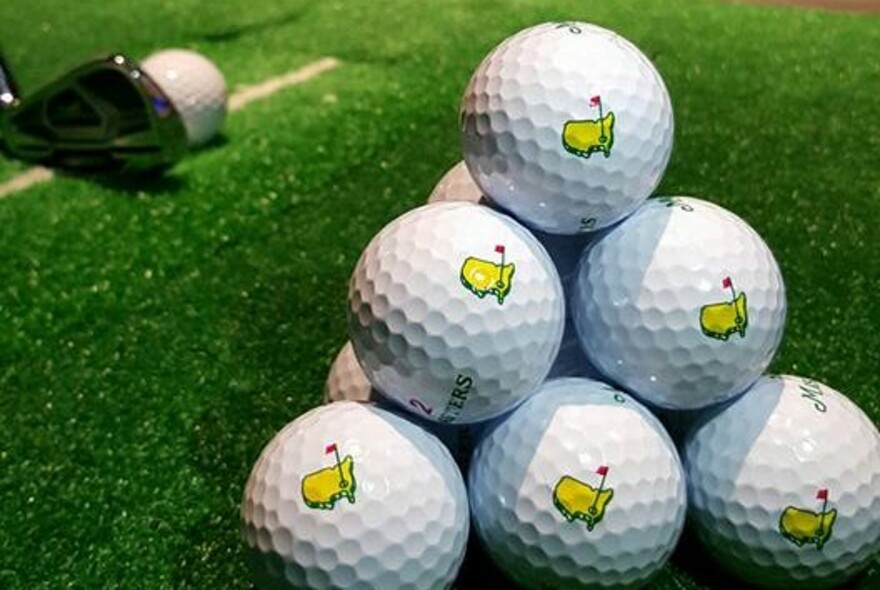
[
  {"x": 726, "y": 283},
  {"x": 594, "y": 101},
  {"x": 603, "y": 470},
  {"x": 822, "y": 494},
  {"x": 499, "y": 248},
  {"x": 331, "y": 448}
]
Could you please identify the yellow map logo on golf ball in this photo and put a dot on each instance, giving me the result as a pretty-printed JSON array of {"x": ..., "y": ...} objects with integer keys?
[
  {"x": 805, "y": 527},
  {"x": 577, "y": 500},
  {"x": 585, "y": 137},
  {"x": 722, "y": 320},
  {"x": 483, "y": 277},
  {"x": 323, "y": 488}
]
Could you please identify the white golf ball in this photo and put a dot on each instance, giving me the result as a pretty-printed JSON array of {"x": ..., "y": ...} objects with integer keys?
[
  {"x": 346, "y": 380},
  {"x": 196, "y": 88},
  {"x": 784, "y": 485},
  {"x": 580, "y": 487},
  {"x": 457, "y": 185},
  {"x": 565, "y": 251},
  {"x": 568, "y": 126},
  {"x": 682, "y": 303},
  {"x": 456, "y": 312},
  {"x": 351, "y": 496}
]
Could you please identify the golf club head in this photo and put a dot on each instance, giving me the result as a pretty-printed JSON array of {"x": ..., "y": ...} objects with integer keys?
[{"x": 104, "y": 116}]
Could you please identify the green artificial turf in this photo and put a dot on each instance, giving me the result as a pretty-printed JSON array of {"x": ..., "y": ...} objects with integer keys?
[{"x": 155, "y": 336}]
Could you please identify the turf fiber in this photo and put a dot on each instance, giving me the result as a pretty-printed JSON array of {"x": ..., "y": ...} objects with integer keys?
[{"x": 154, "y": 336}]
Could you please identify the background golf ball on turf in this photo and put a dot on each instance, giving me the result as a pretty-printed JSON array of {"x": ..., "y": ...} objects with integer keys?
[
  {"x": 568, "y": 126},
  {"x": 682, "y": 303},
  {"x": 351, "y": 496},
  {"x": 580, "y": 487},
  {"x": 784, "y": 485},
  {"x": 196, "y": 88},
  {"x": 456, "y": 312}
]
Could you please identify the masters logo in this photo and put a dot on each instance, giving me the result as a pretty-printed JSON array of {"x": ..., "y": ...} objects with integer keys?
[
  {"x": 721, "y": 320},
  {"x": 805, "y": 527},
  {"x": 577, "y": 500},
  {"x": 482, "y": 277},
  {"x": 323, "y": 488},
  {"x": 585, "y": 137}
]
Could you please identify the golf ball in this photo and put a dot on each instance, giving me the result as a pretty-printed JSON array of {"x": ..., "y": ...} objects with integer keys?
[
  {"x": 565, "y": 251},
  {"x": 352, "y": 496},
  {"x": 568, "y": 126},
  {"x": 580, "y": 487},
  {"x": 682, "y": 303},
  {"x": 196, "y": 88},
  {"x": 346, "y": 380},
  {"x": 456, "y": 312},
  {"x": 784, "y": 485},
  {"x": 457, "y": 185}
]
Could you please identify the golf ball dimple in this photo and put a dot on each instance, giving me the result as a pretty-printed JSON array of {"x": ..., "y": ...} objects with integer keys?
[
  {"x": 784, "y": 484},
  {"x": 580, "y": 487},
  {"x": 568, "y": 126},
  {"x": 682, "y": 303},
  {"x": 196, "y": 88},
  {"x": 456, "y": 312},
  {"x": 351, "y": 496},
  {"x": 458, "y": 185}
]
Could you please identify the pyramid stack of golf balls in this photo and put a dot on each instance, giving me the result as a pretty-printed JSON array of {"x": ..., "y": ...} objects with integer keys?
[{"x": 511, "y": 342}]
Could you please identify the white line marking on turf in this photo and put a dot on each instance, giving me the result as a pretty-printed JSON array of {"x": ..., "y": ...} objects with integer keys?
[
  {"x": 237, "y": 101},
  {"x": 25, "y": 180},
  {"x": 249, "y": 94}
]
